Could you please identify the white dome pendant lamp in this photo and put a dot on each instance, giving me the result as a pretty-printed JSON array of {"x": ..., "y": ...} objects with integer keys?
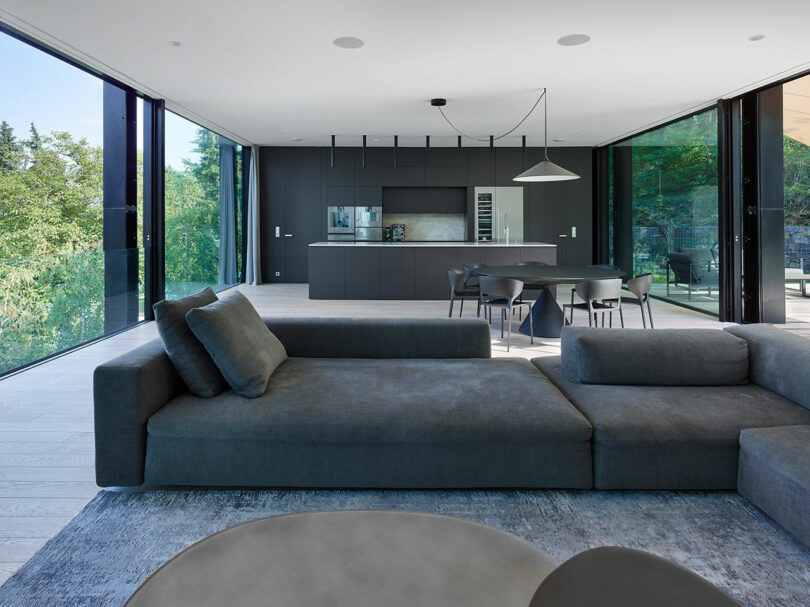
[{"x": 545, "y": 170}]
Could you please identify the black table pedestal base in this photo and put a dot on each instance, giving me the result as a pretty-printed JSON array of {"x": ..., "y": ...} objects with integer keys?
[{"x": 547, "y": 317}]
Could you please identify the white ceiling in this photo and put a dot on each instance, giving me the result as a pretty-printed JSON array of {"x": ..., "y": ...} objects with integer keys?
[{"x": 266, "y": 71}]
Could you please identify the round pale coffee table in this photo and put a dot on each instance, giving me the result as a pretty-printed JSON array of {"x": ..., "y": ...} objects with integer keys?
[{"x": 353, "y": 559}]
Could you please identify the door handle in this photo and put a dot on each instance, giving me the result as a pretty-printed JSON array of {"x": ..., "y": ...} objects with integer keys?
[
  {"x": 563, "y": 235},
  {"x": 288, "y": 236}
]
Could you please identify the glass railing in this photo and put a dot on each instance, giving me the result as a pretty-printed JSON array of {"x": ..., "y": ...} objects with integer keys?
[{"x": 53, "y": 303}]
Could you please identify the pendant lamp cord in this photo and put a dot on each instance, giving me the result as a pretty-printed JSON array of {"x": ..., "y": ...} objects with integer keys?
[
  {"x": 545, "y": 126},
  {"x": 509, "y": 132}
]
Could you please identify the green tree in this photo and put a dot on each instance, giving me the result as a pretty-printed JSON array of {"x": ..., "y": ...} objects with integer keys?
[{"x": 9, "y": 149}]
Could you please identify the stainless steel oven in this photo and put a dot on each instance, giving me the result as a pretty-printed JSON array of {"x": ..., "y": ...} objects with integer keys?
[
  {"x": 340, "y": 223},
  {"x": 368, "y": 223}
]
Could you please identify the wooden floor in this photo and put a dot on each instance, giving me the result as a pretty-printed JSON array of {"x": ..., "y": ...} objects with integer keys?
[{"x": 46, "y": 412}]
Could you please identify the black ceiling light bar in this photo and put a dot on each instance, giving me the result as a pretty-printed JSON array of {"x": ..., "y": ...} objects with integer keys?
[
  {"x": 396, "y": 146},
  {"x": 332, "y": 153},
  {"x": 427, "y": 142},
  {"x": 459, "y": 143},
  {"x": 491, "y": 143},
  {"x": 364, "y": 152}
]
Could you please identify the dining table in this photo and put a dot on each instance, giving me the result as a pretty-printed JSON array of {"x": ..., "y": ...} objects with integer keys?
[{"x": 547, "y": 316}]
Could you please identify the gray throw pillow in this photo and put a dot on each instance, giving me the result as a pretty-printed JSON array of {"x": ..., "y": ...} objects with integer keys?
[
  {"x": 240, "y": 343},
  {"x": 188, "y": 355}
]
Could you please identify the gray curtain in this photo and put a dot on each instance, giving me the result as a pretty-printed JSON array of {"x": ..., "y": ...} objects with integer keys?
[
  {"x": 227, "y": 213},
  {"x": 253, "y": 267}
]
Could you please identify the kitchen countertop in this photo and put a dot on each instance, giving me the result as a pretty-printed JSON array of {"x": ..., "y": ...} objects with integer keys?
[{"x": 338, "y": 243}]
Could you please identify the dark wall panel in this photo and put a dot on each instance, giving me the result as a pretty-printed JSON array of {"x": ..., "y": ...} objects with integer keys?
[{"x": 273, "y": 173}]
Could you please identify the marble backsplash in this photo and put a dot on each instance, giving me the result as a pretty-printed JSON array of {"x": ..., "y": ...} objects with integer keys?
[{"x": 430, "y": 226}]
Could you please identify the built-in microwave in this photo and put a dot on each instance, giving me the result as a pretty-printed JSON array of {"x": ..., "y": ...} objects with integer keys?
[{"x": 340, "y": 222}]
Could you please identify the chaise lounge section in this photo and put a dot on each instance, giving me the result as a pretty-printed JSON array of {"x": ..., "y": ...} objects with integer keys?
[{"x": 359, "y": 403}]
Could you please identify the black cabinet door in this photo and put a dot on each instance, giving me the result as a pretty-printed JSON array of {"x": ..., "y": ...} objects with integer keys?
[
  {"x": 406, "y": 157},
  {"x": 509, "y": 163},
  {"x": 326, "y": 272},
  {"x": 362, "y": 272},
  {"x": 579, "y": 206},
  {"x": 446, "y": 200},
  {"x": 343, "y": 173},
  {"x": 403, "y": 176},
  {"x": 396, "y": 273},
  {"x": 272, "y": 168},
  {"x": 430, "y": 273},
  {"x": 371, "y": 174},
  {"x": 340, "y": 195},
  {"x": 368, "y": 195},
  {"x": 302, "y": 210},
  {"x": 480, "y": 167},
  {"x": 546, "y": 218},
  {"x": 446, "y": 157},
  {"x": 445, "y": 176},
  {"x": 397, "y": 201}
]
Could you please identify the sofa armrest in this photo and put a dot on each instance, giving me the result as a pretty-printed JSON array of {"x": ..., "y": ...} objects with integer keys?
[
  {"x": 127, "y": 390},
  {"x": 383, "y": 337}
]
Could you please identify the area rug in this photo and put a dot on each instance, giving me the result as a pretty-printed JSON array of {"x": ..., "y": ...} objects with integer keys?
[{"x": 102, "y": 556}]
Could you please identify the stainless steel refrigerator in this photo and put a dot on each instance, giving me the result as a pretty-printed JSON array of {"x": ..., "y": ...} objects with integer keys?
[{"x": 499, "y": 214}]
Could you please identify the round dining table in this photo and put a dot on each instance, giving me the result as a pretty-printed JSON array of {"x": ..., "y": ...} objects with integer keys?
[{"x": 547, "y": 316}]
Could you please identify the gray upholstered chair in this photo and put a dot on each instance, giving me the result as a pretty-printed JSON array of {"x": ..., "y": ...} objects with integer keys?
[
  {"x": 603, "y": 296},
  {"x": 530, "y": 291},
  {"x": 623, "y": 577},
  {"x": 600, "y": 266},
  {"x": 640, "y": 286},
  {"x": 458, "y": 289},
  {"x": 502, "y": 293}
]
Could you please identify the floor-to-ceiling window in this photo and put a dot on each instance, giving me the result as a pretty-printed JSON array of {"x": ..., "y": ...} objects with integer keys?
[
  {"x": 796, "y": 142},
  {"x": 52, "y": 163},
  {"x": 663, "y": 202},
  {"x": 203, "y": 208}
]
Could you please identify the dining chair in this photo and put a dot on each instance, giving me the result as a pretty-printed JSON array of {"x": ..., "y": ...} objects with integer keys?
[
  {"x": 459, "y": 289},
  {"x": 497, "y": 292},
  {"x": 604, "y": 295},
  {"x": 471, "y": 270},
  {"x": 598, "y": 266},
  {"x": 530, "y": 289},
  {"x": 640, "y": 286}
]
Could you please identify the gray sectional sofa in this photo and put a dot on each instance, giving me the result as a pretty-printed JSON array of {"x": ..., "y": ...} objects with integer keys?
[{"x": 420, "y": 403}]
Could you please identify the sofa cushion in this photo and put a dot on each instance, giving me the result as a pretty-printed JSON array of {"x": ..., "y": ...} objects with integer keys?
[
  {"x": 240, "y": 343},
  {"x": 678, "y": 437},
  {"x": 381, "y": 423},
  {"x": 189, "y": 357},
  {"x": 778, "y": 360},
  {"x": 774, "y": 474},
  {"x": 664, "y": 357}
]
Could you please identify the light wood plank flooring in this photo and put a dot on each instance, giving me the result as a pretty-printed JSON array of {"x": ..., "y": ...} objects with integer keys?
[{"x": 46, "y": 412}]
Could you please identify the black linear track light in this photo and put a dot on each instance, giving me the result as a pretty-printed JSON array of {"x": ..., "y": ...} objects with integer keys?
[
  {"x": 364, "y": 152},
  {"x": 396, "y": 146},
  {"x": 332, "y": 153}
]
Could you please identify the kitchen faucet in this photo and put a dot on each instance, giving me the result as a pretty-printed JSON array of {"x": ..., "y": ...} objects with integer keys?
[{"x": 506, "y": 226}]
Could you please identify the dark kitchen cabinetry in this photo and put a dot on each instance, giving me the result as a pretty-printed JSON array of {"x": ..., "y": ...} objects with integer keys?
[
  {"x": 343, "y": 173},
  {"x": 362, "y": 272},
  {"x": 480, "y": 167},
  {"x": 371, "y": 174},
  {"x": 326, "y": 273},
  {"x": 446, "y": 157},
  {"x": 430, "y": 275},
  {"x": 509, "y": 163},
  {"x": 445, "y": 176},
  {"x": 397, "y": 201},
  {"x": 340, "y": 195},
  {"x": 397, "y": 274},
  {"x": 402, "y": 176}
]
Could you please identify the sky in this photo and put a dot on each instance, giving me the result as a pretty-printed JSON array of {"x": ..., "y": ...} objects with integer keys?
[{"x": 55, "y": 96}]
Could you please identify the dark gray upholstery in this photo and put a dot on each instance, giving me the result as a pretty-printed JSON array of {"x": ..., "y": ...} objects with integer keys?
[
  {"x": 242, "y": 346},
  {"x": 666, "y": 357},
  {"x": 378, "y": 423},
  {"x": 775, "y": 475},
  {"x": 383, "y": 337},
  {"x": 778, "y": 360},
  {"x": 678, "y": 437},
  {"x": 187, "y": 354},
  {"x": 611, "y": 576},
  {"x": 127, "y": 390}
]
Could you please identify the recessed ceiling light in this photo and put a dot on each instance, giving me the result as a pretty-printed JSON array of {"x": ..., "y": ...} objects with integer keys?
[
  {"x": 348, "y": 42},
  {"x": 375, "y": 139},
  {"x": 296, "y": 139},
  {"x": 558, "y": 140},
  {"x": 175, "y": 43},
  {"x": 756, "y": 37},
  {"x": 573, "y": 39}
]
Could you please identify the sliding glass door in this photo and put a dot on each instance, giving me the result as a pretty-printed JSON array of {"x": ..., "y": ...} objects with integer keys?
[{"x": 663, "y": 206}]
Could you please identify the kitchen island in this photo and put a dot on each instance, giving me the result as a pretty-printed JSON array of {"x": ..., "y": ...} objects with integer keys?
[{"x": 406, "y": 270}]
